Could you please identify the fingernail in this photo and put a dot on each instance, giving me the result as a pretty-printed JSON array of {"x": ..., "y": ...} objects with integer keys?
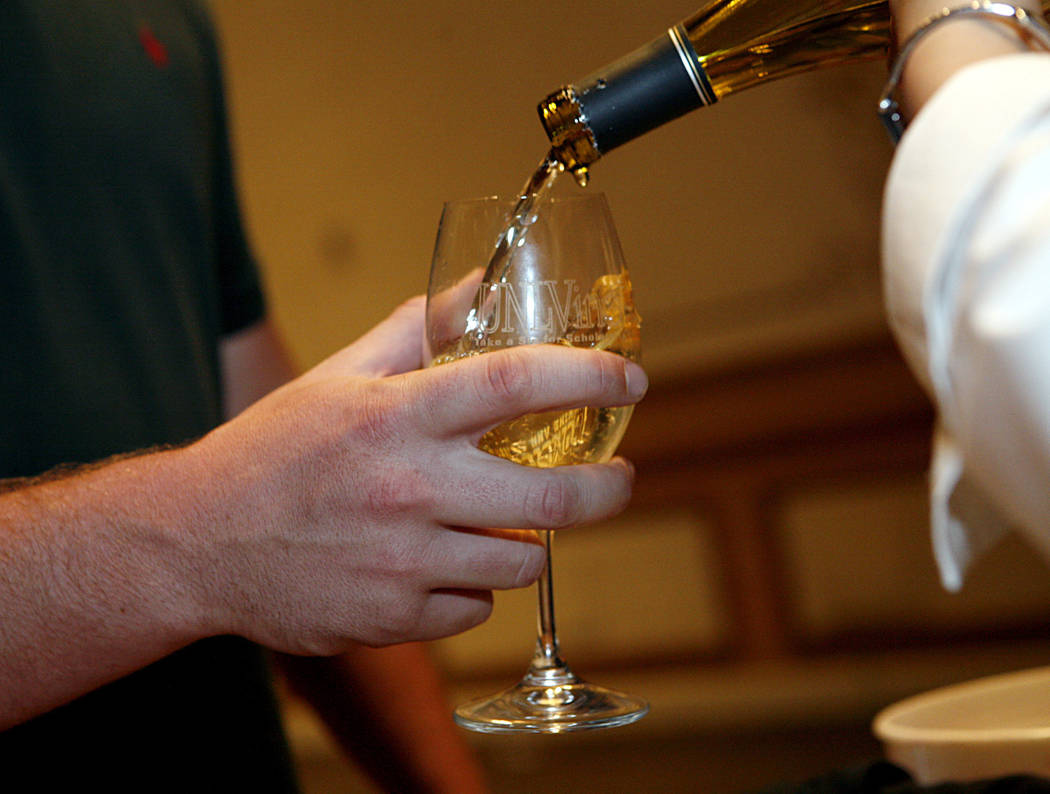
[{"x": 637, "y": 381}]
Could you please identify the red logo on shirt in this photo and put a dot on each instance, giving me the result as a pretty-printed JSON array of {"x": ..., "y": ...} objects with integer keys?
[{"x": 156, "y": 51}]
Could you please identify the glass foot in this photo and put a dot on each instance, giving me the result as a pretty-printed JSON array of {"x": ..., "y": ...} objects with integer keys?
[{"x": 550, "y": 705}]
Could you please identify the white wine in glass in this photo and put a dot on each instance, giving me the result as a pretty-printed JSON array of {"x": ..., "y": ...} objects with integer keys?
[{"x": 560, "y": 279}]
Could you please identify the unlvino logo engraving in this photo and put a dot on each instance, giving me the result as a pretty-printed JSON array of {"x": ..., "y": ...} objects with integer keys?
[{"x": 549, "y": 310}]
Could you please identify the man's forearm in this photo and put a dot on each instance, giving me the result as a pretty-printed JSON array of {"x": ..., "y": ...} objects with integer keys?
[{"x": 95, "y": 579}]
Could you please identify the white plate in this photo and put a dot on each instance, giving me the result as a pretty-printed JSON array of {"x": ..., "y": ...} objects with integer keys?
[{"x": 984, "y": 728}]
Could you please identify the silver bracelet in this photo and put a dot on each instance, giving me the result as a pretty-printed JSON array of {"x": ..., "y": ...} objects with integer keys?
[{"x": 1028, "y": 26}]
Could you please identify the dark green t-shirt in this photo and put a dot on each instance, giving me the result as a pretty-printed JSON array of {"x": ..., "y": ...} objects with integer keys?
[{"x": 122, "y": 264}]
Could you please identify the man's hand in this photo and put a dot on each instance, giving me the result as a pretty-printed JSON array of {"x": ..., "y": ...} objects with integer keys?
[{"x": 353, "y": 503}]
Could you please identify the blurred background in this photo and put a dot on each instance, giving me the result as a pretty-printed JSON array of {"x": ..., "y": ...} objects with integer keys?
[{"x": 771, "y": 586}]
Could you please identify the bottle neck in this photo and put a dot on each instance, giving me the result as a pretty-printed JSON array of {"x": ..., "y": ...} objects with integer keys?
[
  {"x": 572, "y": 140},
  {"x": 600, "y": 112}
]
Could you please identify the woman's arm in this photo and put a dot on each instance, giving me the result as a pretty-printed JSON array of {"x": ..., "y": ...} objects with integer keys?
[{"x": 948, "y": 48}]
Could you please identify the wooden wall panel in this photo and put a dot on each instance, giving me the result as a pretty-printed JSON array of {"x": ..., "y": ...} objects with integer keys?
[{"x": 860, "y": 564}]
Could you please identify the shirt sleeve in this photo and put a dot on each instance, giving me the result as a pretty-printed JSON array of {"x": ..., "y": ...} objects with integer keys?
[
  {"x": 966, "y": 272},
  {"x": 242, "y": 298}
]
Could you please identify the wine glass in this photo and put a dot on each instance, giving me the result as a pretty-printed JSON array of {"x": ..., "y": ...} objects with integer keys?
[{"x": 552, "y": 274}]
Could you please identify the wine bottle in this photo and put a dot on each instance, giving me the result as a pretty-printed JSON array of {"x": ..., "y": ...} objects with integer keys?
[{"x": 725, "y": 47}]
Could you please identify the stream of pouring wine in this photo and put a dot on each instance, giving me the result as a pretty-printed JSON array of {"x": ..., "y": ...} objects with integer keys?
[{"x": 512, "y": 236}]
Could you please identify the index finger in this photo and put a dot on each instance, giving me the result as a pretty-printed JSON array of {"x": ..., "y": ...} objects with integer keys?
[{"x": 479, "y": 392}]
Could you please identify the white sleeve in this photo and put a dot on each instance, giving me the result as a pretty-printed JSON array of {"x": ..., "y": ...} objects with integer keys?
[{"x": 966, "y": 270}]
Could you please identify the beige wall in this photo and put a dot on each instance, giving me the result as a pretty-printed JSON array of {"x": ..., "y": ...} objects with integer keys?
[{"x": 749, "y": 226}]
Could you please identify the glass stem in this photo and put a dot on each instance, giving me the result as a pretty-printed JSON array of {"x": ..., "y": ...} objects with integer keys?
[{"x": 547, "y": 666}]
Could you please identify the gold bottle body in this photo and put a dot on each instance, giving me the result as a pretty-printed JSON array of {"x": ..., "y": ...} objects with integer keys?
[{"x": 741, "y": 43}]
